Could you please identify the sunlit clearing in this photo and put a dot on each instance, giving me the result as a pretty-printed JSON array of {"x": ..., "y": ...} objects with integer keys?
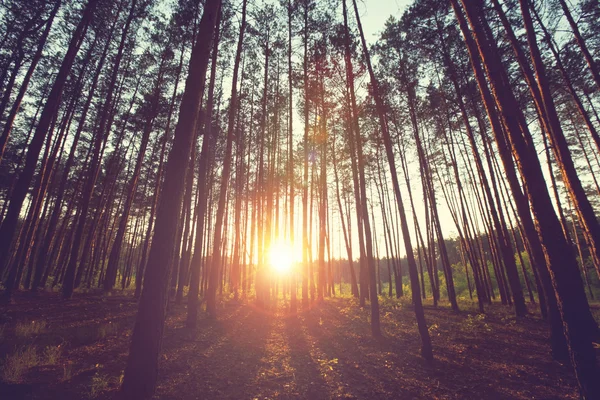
[{"x": 281, "y": 257}]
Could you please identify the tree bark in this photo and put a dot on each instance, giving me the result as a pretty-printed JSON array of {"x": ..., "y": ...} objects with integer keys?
[
  {"x": 561, "y": 262},
  {"x": 141, "y": 372}
]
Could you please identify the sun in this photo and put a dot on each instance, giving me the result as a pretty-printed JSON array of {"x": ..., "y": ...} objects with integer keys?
[{"x": 281, "y": 257}]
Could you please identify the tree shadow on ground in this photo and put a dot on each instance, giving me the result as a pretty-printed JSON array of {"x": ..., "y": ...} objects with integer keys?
[
  {"x": 308, "y": 381},
  {"x": 219, "y": 360},
  {"x": 476, "y": 357},
  {"x": 326, "y": 351}
]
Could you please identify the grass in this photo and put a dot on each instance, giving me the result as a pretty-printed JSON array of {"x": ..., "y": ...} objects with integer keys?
[
  {"x": 67, "y": 371},
  {"x": 17, "y": 363},
  {"x": 28, "y": 329},
  {"x": 52, "y": 354},
  {"x": 100, "y": 382},
  {"x": 323, "y": 351},
  {"x": 88, "y": 334}
]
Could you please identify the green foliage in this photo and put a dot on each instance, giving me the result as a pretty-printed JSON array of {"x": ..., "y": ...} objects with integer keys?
[
  {"x": 434, "y": 329},
  {"x": 475, "y": 324},
  {"x": 344, "y": 290},
  {"x": 528, "y": 270},
  {"x": 460, "y": 280},
  {"x": 389, "y": 302},
  {"x": 592, "y": 277},
  {"x": 508, "y": 320}
]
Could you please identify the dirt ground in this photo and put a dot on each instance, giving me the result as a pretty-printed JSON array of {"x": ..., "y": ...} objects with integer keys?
[{"x": 324, "y": 352}]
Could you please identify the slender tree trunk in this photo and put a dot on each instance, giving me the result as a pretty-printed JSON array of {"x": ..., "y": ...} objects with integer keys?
[
  {"x": 211, "y": 305},
  {"x": 8, "y": 230},
  {"x": 426, "y": 350},
  {"x": 566, "y": 279},
  {"x": 8, "y": 124},
  {"x": 369, "y": 262},
  {"x": 582, "y": 205},
  {"x": 305, "y": 267},
  {"x": 291, "y": 175},
  {"x": 204, "y": 213},
  {"x": 155, "y": 197},
  {"x": 104, "y": 126}
]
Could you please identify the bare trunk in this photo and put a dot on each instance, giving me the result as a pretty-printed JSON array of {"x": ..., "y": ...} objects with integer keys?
[{"x": 139, "y": 381}]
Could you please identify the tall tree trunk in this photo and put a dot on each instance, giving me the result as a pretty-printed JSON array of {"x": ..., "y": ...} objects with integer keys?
[
  {"x": 205, "y": 172},
  {"x": 582, "y": 205},
  {"x": 141, "y": 372},
  {"x": 115, "y": 253},
  {"x": 104, "y": 126},
  {"x": 346, "y": 228},
  {"x": 155, "y": 197},
  {"x": 561, "y": 262},
  {"x": 291, "y": 176},
  {"x": 211, "y": 301},
  {"x": 305, "y": 267},
  {"x": 558, "y": 340},
  {"x": 426, "y": 350},
  {"x": 370, "y": 262}
]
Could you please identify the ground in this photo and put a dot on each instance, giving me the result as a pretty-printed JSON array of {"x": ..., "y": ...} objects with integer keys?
[{"x": 77, "y": 349}]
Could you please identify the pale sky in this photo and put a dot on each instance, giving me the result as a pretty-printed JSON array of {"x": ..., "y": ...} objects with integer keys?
[{"x": 374, "y": 13}]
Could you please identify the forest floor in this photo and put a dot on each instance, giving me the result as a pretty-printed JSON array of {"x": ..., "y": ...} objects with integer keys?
[{"x": 52, "y": 349}]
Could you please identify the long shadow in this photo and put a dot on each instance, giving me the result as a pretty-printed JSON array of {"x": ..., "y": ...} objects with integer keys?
[
  {"x": 482, "y": 361},
  {"x": 220, "y": 362},
  {"x": 308, "y": 380},
  {"x": 486, "y": 358},
  {"x": 362, "y": 369},
  {"x": 248, "y": 353}
]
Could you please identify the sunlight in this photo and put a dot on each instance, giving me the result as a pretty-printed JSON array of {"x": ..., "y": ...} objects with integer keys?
[{"x": 281, "y": 257}]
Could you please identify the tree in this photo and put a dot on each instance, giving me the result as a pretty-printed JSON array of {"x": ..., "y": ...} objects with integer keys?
[
  {"x": 561, "y": 262},
  {"x": 8, "y": 230},
  {"x": 139, "y": 381}
]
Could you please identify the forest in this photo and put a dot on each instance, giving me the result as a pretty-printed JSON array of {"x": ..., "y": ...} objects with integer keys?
[{"x": 299, "y": 199}]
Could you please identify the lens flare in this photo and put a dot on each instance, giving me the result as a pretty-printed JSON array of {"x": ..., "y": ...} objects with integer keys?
[{"x": 281, "y": 257}]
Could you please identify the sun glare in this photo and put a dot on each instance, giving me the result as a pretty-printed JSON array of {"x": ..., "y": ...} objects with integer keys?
[{"x": 281, "y": 257}]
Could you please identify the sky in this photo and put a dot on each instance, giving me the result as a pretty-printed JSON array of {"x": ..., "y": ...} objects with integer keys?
[{"x": 374, "y": 13}]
